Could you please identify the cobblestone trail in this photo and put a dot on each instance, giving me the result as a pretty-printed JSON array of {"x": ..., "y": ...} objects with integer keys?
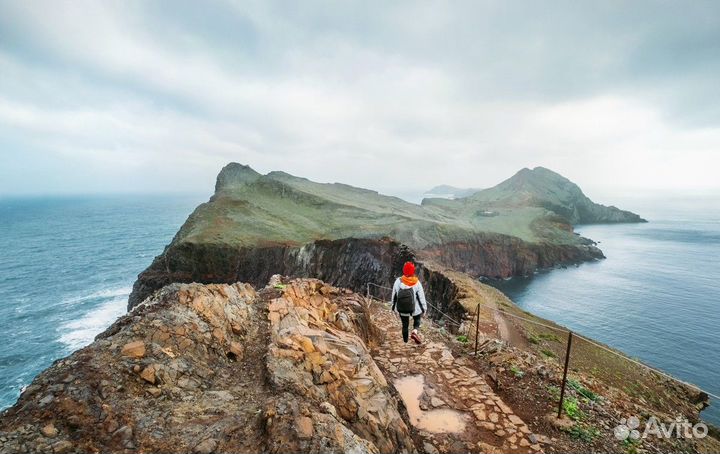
[{"x": 449, "y": 384}]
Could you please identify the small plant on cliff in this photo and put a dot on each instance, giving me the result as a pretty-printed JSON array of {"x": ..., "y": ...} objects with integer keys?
[
  {"x": 516, "y": 371},
  {"x": 572, "y": 409},
  {"x": 554, "y": 392},
  {"x": 583, "y": 433},
  {"x": 583, "y": 391},
  {"x": 631, "y": 445},
  {"x": 533, "y": 339},
  {"x": 548, "y": 353},
  {"x": 462, "y": 338},
  {"x": 548, "y": 337}
]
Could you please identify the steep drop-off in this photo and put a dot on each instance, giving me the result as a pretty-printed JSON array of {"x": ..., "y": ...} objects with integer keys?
[{"x": 218, "y": 368}]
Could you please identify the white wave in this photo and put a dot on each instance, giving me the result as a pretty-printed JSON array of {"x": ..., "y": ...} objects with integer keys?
[
  {"x": 78, "y": 333},
  {"x": 101, "y": 294}
]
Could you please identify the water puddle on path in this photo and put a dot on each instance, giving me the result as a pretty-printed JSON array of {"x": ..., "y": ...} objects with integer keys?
[{"x": 441, "y": 420}]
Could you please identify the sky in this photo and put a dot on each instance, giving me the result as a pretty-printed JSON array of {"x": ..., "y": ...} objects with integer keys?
[{"x": 154, "y": 96}]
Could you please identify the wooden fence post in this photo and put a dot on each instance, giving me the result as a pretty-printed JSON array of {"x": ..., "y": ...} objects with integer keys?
[
  {"x": 477, "y": 326},
  {"x": 564, "y": 380}
]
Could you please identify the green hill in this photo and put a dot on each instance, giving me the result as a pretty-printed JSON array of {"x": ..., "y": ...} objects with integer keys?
[
  {"x": 541, "y": 187},
  {"x": 250, "y": 209},
  {"x": 256, "y": 225}
]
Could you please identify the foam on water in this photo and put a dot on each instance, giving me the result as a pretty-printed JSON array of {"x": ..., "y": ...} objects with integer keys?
[
  {"x": 75, "y": 334},
  {"x": 104, "y": 293},
  {"x": 66, "y": 268}
]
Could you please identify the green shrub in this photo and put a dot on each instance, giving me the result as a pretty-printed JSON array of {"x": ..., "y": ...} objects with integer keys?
[
  {"x": 548, "y": 353},
  {"x": 583, "y": 391},
  {"x": 631, "y": 445},
  {"x": 462, "y": 338},
  {"x": 554, "y": 392},
  {"x": 533, "y": 339},
  {"x": 572, "y": 409},
  {"x": 582, "y": 433},
  {"x": 548, "y": 337},
  {"x": 516, "y": 371}
]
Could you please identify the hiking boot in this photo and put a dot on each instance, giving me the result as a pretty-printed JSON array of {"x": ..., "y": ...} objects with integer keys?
[{"x": 416, "y": 337}]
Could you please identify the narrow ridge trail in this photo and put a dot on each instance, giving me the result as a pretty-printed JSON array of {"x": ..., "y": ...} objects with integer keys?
[{"x": 482, "y": 421}]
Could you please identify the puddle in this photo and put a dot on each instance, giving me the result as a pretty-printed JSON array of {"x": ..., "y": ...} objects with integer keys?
[{"x": 442, "y": 420}]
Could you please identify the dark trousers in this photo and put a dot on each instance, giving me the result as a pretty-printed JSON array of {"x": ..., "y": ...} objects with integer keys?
[{"x": 406, "y": 324}]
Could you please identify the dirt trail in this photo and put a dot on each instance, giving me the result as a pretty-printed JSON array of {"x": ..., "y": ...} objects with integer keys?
[
  {"x": 508, "y": 332},
  {"x": 448, "y": 384},
  {"x": 249, "y": 378}
]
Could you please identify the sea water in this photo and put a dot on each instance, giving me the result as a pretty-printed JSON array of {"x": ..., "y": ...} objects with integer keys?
[
  {"x": 656, "y": 296},
  {"x": 67, "y": 266}
]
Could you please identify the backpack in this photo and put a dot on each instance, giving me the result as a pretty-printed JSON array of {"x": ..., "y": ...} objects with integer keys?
[{"x": 406, "y": 300}]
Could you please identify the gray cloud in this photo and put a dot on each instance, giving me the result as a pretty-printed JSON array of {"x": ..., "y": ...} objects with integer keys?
[{"x": 157, "y": 96}]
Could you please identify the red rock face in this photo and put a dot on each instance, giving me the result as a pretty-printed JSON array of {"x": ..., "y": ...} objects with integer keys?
[
  {"x": 506, "y": 256},
  {"x": 352, "y": 263}
]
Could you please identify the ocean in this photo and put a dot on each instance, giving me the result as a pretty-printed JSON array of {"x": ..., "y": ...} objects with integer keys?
[
  {"x": 655, "y": 297},
  {"x": 68, "y": 265}
]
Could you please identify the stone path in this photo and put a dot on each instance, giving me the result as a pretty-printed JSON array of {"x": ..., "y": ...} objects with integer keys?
[{"x": 491, "y": 426}]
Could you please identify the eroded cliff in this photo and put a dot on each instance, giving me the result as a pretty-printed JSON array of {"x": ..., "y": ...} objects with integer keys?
[{"x": 218, "y": 368}]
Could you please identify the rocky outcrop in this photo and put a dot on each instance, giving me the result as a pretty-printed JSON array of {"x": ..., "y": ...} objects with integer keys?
[
  {"x": 217, "y": 368},
  {"x": 302, "y": 366},
  {"x": 318, "y": 352},
  {"x": 350, "y": 263},
  {"x": 507, "y": 256}
]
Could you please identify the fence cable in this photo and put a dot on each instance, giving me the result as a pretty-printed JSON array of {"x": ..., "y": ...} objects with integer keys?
[
  {"x": 620, "y": 355},
  {"x": 565, "y": 330}
]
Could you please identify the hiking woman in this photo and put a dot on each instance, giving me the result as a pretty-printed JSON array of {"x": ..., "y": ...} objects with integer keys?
[{"x": 408, "y": 298}]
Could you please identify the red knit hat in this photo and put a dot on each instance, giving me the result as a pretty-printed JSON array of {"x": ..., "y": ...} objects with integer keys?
[{"x": 409, "y": 269}]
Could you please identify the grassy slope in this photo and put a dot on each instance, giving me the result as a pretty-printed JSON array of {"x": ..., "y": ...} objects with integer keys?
[
  {"x": 281, "y": 208},
  {"x": 550, "y": 341}
]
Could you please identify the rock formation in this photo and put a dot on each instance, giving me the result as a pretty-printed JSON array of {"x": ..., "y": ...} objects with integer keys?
[
  {"x": 217, "y": 368},
  {"x": 302, "y": 366}
]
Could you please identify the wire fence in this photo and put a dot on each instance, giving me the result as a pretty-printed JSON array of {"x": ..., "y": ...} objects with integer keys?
[{"x": 571, "y": 348}]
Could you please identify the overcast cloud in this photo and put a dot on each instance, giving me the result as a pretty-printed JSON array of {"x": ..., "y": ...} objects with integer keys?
[{"x": 101, "y": 96}]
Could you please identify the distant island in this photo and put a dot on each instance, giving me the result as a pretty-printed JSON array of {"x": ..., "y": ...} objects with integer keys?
[{"x": 445, "y": 191}]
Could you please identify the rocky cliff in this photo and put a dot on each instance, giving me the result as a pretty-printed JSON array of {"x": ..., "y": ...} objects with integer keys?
[
  {"x": 302, "y": 366},
  {"x": 257, "y": 225},
  {"x": 218, "y": 368}
]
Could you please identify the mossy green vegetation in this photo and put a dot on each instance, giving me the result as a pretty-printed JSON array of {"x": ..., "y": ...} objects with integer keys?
[
  {"x": 572, "y": 409},
  {"x": 583, "y": 432},
  {"x": 250, "y": 209}
]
